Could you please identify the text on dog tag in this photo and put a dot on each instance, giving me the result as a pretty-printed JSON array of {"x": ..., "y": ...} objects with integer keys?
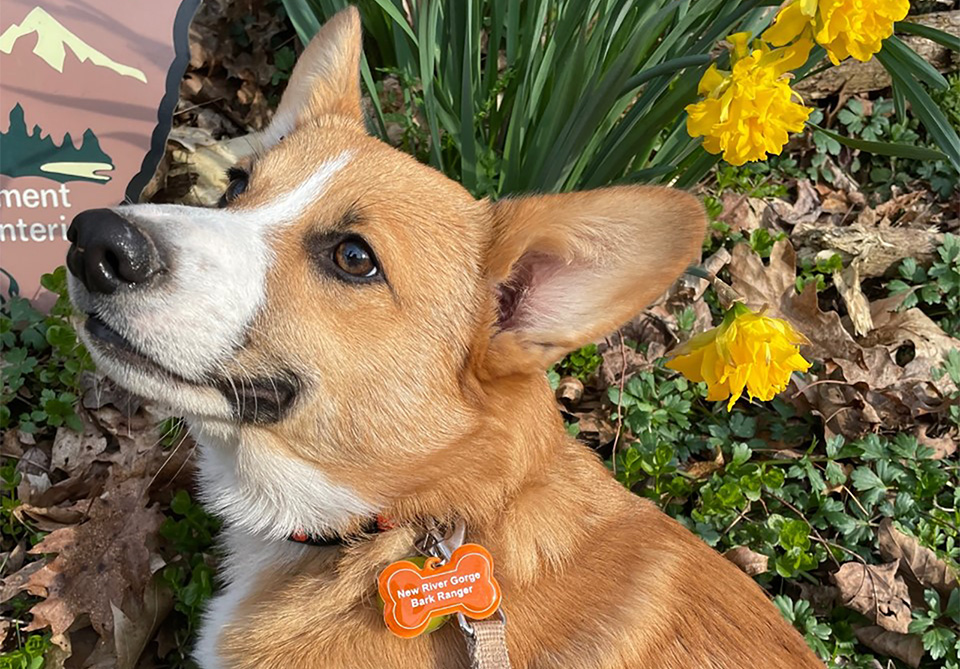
[{"x": 413, "y": 596}]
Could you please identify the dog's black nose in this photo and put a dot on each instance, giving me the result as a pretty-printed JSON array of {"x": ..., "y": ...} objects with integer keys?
[{"x": 107, "y": 252}]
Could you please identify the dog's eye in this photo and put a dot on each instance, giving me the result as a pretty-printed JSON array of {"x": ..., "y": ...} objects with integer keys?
[
  {"x": 354, "y": 257},
  {"x": 238, "y": 184}
]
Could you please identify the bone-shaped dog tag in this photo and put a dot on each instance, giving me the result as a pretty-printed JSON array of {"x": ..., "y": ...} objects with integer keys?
[{"x": 413, "y": 596}]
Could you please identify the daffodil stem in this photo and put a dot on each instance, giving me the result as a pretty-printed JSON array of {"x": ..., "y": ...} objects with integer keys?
[
  {"x": 728, "y": 296},
  {"x": 700, "y": 273}
]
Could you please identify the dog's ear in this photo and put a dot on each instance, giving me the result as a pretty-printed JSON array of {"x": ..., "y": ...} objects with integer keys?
[
  {"x": 571, "y": 268},
  {"x": 325, "y": 80}
]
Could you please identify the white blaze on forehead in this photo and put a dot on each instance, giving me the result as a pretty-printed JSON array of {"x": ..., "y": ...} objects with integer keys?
[
  {"x": 216, "y": 280},
  {"x": 286, "y": 208}
]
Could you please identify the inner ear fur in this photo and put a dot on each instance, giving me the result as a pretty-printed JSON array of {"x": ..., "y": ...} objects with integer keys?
[
  {"x": 325, "y": 79},
  {"x": 570, "y": 268}
]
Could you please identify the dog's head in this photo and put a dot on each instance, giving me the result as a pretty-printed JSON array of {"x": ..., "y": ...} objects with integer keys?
[{"x": 351, "y": 306}]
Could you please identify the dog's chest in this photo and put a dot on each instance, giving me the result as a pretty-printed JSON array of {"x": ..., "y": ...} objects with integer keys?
[
  {"x": 295, "y": 606},
  {"x": 262, "y": 496},
  {"x": 247, "y": 561}
]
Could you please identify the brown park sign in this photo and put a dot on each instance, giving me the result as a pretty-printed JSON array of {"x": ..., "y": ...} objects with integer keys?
[{"x": 87, "y": 93}]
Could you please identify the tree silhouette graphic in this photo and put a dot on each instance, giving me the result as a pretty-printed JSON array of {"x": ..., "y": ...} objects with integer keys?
[{"x": 34, "y": 154}]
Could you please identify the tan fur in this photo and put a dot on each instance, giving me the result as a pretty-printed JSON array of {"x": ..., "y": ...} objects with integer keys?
[{"x": 415, "y": 399}]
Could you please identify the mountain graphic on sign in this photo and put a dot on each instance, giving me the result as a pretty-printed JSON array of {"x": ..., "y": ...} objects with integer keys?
[
  {"x": 53, "y": 39},
  {"x": 37, "y": 155}
]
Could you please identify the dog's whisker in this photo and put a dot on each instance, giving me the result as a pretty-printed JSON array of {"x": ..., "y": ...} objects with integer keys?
[
  {"x": 233, "y": 386},
  {"x": 189, "y": 456},
  {"x": 276, "y": 392},
  {"x": 173, "y": 453}
]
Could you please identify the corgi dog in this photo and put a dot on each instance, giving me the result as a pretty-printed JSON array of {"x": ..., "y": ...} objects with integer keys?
[{"x": 352, "y": 335}]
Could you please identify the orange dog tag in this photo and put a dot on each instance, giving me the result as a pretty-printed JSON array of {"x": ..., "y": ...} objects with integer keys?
[{"x": 413, "y": 596}]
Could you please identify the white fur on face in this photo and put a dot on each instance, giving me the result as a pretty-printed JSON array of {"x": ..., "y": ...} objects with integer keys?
[
  {"x": 198, "y": 314},
  {"x": 182, "y": 398},
  {"x": 257, "y": 489}
]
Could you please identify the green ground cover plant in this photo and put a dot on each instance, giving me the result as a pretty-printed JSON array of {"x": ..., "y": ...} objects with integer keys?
[
  {"x": 935, "y": 289},
  {"x": 43, "y": 361}
]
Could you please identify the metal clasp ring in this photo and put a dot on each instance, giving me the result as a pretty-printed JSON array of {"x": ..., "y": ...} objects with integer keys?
[
  {"x": 467, "y": 628},
  {"x": 441, "y": 546}
]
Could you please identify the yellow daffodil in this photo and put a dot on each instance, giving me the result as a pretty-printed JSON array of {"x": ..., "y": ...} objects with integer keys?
[
  {"x": 843, "y": 27},
  {"x": 747, "y": 351},
  {"x": 749, "y": 112}
]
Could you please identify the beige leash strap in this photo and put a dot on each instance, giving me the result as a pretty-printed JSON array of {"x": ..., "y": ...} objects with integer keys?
[{"x": 487, "y": 646}]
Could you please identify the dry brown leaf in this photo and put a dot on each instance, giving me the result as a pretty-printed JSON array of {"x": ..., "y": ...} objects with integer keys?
[
  {"x": 691, "y": 288},
  {"x": 900, "y": 203},
  {"x": 905, "y": 647},
  {"x": 894, "y": 329},
  {"x": 12, "y": 560},
  {"x": 877, "y": 592},
  {"x": 10, "y": 445},
  {"x": 919, "y": 565},
  {"x": 54, "y": 611},
  {"x": 750, "y": 562},
  {"x": 73, "y": 453},
  {"x": 701, "y": 469},
  {"x": 570, "y": 391},
  {"x": 785, "y": 453},
  {"x": 823, "y": 598},
  {"x": 34, "y": 468},
  {"x": 132, "y": 633},
  {"x": 844, "y": 182},
  {"x": 741, "y": 212},
  {"x": 139, "y": 455},
  {"x": 847, "y": 282},
  {"x": 597, "y": 422},
  {"x": 99, "y": 391},
  {"x": 122, "y": 424},
  {"x": 73, "y": 488},
  {"x": 841, "y": 406},
  {"x": 621, "y": 361},
  {"x": 48, "y": 518},
  {"x": 806, "y": 209},
  {"x": 862, "y": 387},
  {"x": 100, "y": 563},
  {"x": 31, "y": 486},
  {"x": 836, "y": 202},
  {"x": 943, "y": 446},
  {"x": 57, "y": 655},
  {"x": 16, "y": 582}
]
